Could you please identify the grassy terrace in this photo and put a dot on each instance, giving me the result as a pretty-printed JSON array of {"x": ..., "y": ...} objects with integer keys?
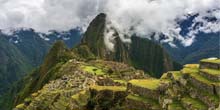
[
  {"x": 152, "y": 84},
  {"x": 175, "y": 106},
  {"x": 195, "y": 104},
  {"x": 211, "y": 71},
  {"x": 191, "y": 66},
  {"x": 189, "y": 70},
  {"x": 113, "y": 88},
  {"x": 214, "y": 98},
  {"x": 143, "y": 99},
  {"x": 194, "y": 72},
  {"x": 176, "y": 75},
  {"x": 93, "y": 70},
  {"x": 211, "y": 61}
]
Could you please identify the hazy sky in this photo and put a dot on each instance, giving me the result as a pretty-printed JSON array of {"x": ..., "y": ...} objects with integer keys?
[{"x": 145, "y": 16}]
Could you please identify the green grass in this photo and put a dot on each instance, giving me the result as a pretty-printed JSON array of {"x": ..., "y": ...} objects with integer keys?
[
  {"x": 211, "y": 61},
  {"x": 202, "y": 79},
  {"x": 20, "y": 106},
  {"x": 195, "y": 104},
  {"x": 93, "y": 70},
  {"x": 113, "y": 88},
  {"x": 152, "y": 102},
  {"x": 191, "y": 66},
  {"x": 211, "y": 71},
  {"x": 214, "y": 98},
  {"x": 194, "y": 72},
  {"x": 176, "y": 75},
  {"x": 189, "y": 70},
  {"x": 141, "y": 99},
  {"x": 152, "y": 84},
  {"x": 164, "y": 76},
  {"x": 175, "y": 106}
]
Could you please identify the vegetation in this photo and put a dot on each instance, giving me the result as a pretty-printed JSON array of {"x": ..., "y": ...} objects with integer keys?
[
  {"x": 175, "y": 106},
  {"x": 211, "y": 61},
  {"x": 93, "y": 70},
  {"x": 152, "y": 84},
  {"x": 153, "y": 60},
  {"x": 206, "y": 46},
  {"x": 63, "y": 82},
  {"x": 211, "y": 71},
  {"x": 141, "y": 99},
  {"x": 195, "y": 104},
  {"x": 191, "y": 66},
  {"x": 81, "y": 97},
  {"x": 113, "y": 88}
]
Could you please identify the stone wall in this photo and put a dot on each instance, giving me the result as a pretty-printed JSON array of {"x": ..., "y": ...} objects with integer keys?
[
  {"x": 210, "y": 76},
  {"x": 204, "y": 65},
  {"x": 200, "y": 85},
  {"x": 106, "y": 99},
  {"x": 138, "y": 105},
  {"x": 204, "y": 97},
  {"x": 154, "y": 94}
]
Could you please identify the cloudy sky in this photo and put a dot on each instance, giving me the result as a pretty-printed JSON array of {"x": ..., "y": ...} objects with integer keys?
[{"x": 144, "y": 16}]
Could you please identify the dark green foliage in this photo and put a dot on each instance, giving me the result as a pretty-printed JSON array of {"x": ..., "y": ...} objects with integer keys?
[
  {"x": 13, "y": 64},
  {"x": 58, "y": 55},
  {"x": 150, "y": 57},
  {"x": 94, "y": 35},
  {"x": 17, "y": 59},
  {"x": 84, "y": 52},
  {"x": 32, "y": 47}
]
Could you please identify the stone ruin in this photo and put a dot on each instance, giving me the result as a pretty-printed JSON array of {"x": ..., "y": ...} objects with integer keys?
[{"x": 195, "y": 87}]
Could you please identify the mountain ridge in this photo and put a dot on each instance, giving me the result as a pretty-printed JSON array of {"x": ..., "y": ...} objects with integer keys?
[{"x": 126, "y": 52}]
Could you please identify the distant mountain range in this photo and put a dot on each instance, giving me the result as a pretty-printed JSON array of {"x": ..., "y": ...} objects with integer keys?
[
  {"x": 23, "y": 49},
  {"x": 142, "y": 54},
  {"x": 92, "y": 76},
  {"x": 205, "y": 46}
]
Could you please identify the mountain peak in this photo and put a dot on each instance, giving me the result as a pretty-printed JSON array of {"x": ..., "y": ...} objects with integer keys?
[
  {"x": 141, "y": 53},
  {"x": 94, "y": 36}
]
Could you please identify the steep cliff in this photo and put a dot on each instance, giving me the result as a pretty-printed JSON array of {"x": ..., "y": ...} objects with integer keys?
[{"x": 140, "y": 53}]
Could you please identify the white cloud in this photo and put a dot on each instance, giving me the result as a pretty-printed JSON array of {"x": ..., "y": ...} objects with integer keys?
[{"x": 142, "y": 17}]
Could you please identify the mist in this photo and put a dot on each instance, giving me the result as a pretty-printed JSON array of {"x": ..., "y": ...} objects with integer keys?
[{"x": 140, "y": 17}]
